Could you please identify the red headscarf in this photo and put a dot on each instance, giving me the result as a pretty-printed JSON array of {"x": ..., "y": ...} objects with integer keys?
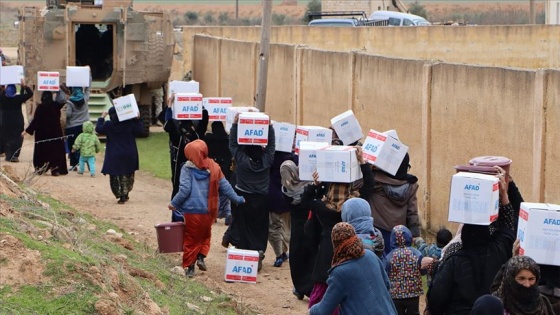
[{"x": 197, "y": 152}]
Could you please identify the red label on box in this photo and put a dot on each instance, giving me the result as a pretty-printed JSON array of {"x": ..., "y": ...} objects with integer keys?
[
  {"x": 219, "y": 101},
  {"x": 194, "y": 116},
  {"x": 251, "y": 258},
  {"x": 369, "y": 157},
  {"x": 249, "y": 279},
  {"x": 493, "y": 218},
  {"x": 302, "y": 132},
  {"x": 235, "y": 257},
  {"x": 521, "y": 251},
  {"x": 189, "y": 98},
  {"x": 524, "y": 215},
  {"x": 377, "y": 136},
  {"x": 47, "y": 88},
  {"x": 496, "y": 186},
  {"x": 233, "y": 277}
]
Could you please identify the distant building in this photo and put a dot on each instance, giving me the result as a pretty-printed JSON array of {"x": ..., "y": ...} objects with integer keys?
[
  {"x": 552, "y": 11},
  {"x": 368, "y": 6}
]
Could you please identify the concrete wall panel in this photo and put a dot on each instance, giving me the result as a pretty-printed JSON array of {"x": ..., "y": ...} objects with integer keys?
[
  {"x": 552, "y": 154},
  {"x": 326, "y": 85},
  {"x": 281, "y": 93},
  {"x": 206, "y": 68},
  {"x": 238, "y": 62},
  {"x": 479, "y": 111}
]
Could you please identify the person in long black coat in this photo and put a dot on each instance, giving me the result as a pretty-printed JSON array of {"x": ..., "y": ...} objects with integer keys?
[
  {"x": 218, "y": 150},
  {"x": 12, "y": 120},
  {"x": 181, "y": 132},
  {"x": 121, "y": 154},
  {"x": 49, "y": 152}
]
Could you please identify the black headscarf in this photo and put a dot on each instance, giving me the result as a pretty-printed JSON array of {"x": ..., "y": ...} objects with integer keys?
[
  {"x": 113, "y": 115},
  {"x": 518, "y": 299},
  {"x": 255, "y": 152},
  {"x": 46, "y": 97},
  {"x": 218, "y": 129}
]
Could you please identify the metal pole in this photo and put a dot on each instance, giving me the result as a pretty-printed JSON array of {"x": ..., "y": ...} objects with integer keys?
[
  {"x": 237, "y": 9},
  {"x": 262, "y": 75}
]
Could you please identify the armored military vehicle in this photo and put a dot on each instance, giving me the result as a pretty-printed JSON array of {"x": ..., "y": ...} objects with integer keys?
[{"x": 128, "y": 51}]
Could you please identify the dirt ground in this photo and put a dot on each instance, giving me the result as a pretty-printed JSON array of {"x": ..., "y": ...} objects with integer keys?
[{"x": 147, "y": 207}]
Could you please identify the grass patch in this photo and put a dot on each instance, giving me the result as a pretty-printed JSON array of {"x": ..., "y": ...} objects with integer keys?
[
  {"x": 80, "y": 265},
  {"x": 154, "y": 154}
]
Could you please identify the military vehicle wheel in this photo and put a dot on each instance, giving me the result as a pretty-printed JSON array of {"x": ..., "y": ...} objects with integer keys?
[{"x": 146, "y": 118}]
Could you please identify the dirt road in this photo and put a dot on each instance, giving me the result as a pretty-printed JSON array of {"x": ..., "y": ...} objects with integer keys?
[{"x": 148, "y": 206}]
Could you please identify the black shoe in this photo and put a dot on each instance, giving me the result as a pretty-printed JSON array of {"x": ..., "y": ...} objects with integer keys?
[
  {"x": 297, "y": 294},
  {"x": 284, "y": 256},
  {"x": 125, "y": 197},
  {"x": 225, "y": 242},
  {"x": 189, "y": 271},
  {"x": 200, "y": 263},
  {"x": 121, "y": 201},
  {"x": 278, "y": 262}
]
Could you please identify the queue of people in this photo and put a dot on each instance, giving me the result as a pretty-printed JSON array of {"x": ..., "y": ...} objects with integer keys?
[{"x": 352, "y": 248}]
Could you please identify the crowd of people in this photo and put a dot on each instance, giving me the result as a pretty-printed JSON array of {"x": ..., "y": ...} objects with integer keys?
[{"x": 352, "y": 248}]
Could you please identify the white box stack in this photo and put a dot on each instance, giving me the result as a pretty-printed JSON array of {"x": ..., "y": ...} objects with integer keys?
[
  {"x": 217, "y": 107},
  {"x": 539, "y": 232},
  {"x": 241, "y": 265},
  {"x": 252, "y": 129},
  {"x": 474, "y": 198},
  {"x": 347, "y": 127},
  {"x": 308, "y": 158},
  {"x": 313, "y": 134},
  {"x": 383, "y": 151},
  {"x": 284, "y": 134},
  {"x": 78, "y": 76},
  {"x": 176, "y": 86},
  {"x": 338, "y": 164},
  {"x": 126, "y": 107},
  {"x": 232, "y": 111},
  {"x": 187, "y": 106}
]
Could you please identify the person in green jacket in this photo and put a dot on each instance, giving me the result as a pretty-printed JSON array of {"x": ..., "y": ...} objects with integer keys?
[{"x": 88, "y": 144}]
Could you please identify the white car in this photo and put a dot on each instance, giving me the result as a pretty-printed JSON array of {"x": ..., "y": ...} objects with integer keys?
[{"x": 398, "y": 18}]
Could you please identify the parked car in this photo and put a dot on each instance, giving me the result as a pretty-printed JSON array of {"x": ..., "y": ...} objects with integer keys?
[
  {"x": 398, "y": 18},
  {"x": 334, "y": 22}
]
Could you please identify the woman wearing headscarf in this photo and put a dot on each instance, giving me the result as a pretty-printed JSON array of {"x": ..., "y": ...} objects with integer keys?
[
  {"x": 357, "y": 212},
  {"x": 488, "y": 305},
  {"x": 357, "y": 281},
  {"x": 218, "y": 150},
  {"x": 12, "y": 120},
  {"x": 49, "y": 152},
  {"x": 77, "y": 113},
  {"x": 519, "y": 289},
  {"x": 468, "y": 273},
  {"x": 121, "y": 153},
  {"x": 201, "y": 182},
  {"x": 394, "y": 202},
  {"x": 325, "y": 201},
  {"x": 302, "y": 251}
]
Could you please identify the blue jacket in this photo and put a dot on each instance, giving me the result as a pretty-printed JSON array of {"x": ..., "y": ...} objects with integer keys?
[
  {"x": 360, "y": 286},
  {"x": 192, "y": 197}
]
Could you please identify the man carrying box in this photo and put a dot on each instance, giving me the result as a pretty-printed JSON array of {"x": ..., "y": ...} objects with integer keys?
[{"x": 249, "y": 228}]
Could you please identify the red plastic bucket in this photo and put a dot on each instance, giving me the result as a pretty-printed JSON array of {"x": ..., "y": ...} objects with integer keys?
[{"x": 170, "y": 237}]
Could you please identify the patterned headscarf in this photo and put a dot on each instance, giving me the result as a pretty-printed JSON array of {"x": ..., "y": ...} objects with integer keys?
[
  {"x": 197, "y": 152},
  {"x": 346, "y": 244},
  {"x": 337, "y": 194},
  {"x": 518, "y": 299}
]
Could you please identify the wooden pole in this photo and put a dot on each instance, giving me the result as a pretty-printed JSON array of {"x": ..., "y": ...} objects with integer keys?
[{"x": 262, "y": 75}]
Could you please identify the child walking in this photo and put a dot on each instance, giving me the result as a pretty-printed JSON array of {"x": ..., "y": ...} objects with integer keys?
[
  {"x": 403, "y": 268},
  {"x": 88, "y": 144}
]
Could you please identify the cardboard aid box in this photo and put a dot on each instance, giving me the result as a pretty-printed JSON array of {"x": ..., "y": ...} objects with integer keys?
[
  {"x": 187, "y": 106},
  {"x": 126, "y": 107},
  {"x": 347, "y": 127},
  {"x": 217, "y": 107},
  {"x": 78, "y": 76},
  {"x": 284, "y": 134},
  {"x": 183, "y": 87},
  {"x": 338, "y": 164},
  {"x": 232, "y": 111},
  {"x": 474, "y": 198},
  {"x": 383, "y": 151},
  {"x": 48, "y": 81},
  {"x": 308, "y": 158},
  {"x": 539, "y": 232},
  {"x": 11, "y": 75},
  {"x": 241, "y": 265},
  {"x": 253, "y": 128},
  {"x": 313, "y": 134}
]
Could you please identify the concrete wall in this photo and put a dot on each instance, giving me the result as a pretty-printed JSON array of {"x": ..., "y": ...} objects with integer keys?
[
  {"x": 368, "y": 6},
  {"x": 520, "y": 46},
  {"x": 446, "y": 113}
]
